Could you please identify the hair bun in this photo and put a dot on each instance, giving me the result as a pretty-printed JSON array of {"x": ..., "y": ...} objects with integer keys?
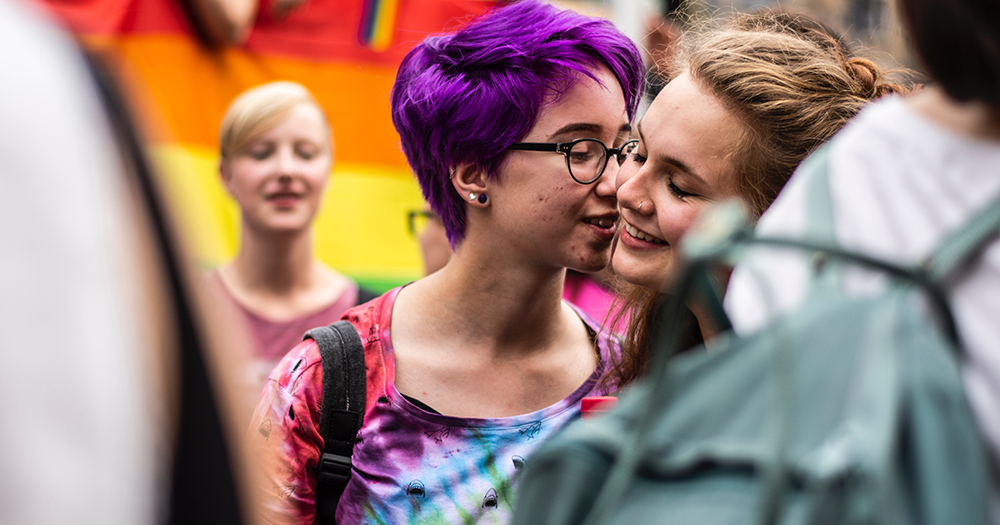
[
  {"x": 866, "y": 74},
  {"x": 869, "y": 79}
]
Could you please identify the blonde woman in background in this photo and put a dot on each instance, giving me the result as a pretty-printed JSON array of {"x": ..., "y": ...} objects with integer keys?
[{"x": 277, "y": 154}]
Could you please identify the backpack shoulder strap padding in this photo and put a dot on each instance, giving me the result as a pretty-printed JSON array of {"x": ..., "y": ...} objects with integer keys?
[{"x": 342, "y": 412}]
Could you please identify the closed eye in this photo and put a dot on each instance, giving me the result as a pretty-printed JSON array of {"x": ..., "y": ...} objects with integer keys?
[
  {"x": 306, "y": 150},
  {"x": 260, "y": 154},
  {"x": 679, "y": 193}
]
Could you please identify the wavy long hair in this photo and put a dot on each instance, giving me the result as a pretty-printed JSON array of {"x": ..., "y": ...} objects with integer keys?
[{"x": 792, "y": 84}]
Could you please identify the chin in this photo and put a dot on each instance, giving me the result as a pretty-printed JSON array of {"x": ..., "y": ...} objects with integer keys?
[
  {"x": 593, "y": 263},
  {"x": 638, "y": 275}
]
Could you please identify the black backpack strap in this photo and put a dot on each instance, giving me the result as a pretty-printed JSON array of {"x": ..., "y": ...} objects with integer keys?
[{"x": 342, "y": 412}]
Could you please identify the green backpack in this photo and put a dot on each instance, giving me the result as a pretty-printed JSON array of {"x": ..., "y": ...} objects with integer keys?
[{"x": 849, "y": 410}]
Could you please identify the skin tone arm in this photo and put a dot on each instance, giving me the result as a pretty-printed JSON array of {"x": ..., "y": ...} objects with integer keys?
[{"x": 227, "y": 22}]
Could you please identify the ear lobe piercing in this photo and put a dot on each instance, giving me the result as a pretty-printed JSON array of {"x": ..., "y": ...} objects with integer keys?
[
  {"x": 472, "y": 197},
  {"x": 482, "y": 198}
]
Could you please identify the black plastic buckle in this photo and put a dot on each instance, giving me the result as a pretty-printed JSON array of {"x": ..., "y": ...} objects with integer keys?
[{"x": 334, "y": 468}]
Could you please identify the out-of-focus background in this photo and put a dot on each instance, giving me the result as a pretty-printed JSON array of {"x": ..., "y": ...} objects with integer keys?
[{"x": 346, "y": 52}]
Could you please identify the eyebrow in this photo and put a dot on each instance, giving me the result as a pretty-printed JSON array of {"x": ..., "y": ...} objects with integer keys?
[
  {"x": 589, "y": 127},
  {"x": 675, "y": 162}
]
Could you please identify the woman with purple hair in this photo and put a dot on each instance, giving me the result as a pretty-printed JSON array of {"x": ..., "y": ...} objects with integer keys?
[{"x": 513, "y": 126}]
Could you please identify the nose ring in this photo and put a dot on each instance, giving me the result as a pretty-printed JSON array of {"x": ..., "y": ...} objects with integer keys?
[{"x": 639, "y": 208}]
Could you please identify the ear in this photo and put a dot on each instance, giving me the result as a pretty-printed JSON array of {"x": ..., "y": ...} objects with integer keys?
[
  {"x": 225, "y": 174},
  {"x": 469, "y": 180}
]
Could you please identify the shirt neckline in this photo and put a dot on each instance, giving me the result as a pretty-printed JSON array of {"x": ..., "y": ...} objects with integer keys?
[{"x": 384, "y": 324}]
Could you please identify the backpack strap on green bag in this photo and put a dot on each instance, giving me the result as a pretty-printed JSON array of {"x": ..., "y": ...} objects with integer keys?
[
  {"x": 960, "y": 246},
  {"x": 819, "y": 215},
  {"x": 342, "y": 412},
  {"x": 819, "y": 224}
]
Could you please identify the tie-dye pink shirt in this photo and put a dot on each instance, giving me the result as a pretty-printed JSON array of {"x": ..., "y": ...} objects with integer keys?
[{"x": 410, "y": 465}]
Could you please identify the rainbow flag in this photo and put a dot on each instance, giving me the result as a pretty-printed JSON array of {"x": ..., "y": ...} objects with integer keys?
[
  {"x": 181, "y": 90},
  {"x": 378, "y": 20}
]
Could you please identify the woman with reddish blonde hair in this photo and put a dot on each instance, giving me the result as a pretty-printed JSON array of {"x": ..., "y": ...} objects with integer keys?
[{"x": 745, "y": 105}]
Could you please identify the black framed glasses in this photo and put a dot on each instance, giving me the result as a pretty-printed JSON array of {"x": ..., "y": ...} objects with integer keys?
[
  {"x": 586, "y": 159},
  {"x": 418, "y": 220}
]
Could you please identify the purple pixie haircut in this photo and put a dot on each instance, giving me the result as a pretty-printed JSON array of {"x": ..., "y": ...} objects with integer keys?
[{"x": 467, "y": 96}]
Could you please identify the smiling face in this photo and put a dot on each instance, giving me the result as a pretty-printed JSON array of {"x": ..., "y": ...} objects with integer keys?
[
  {"x": 537, "y": 208},
  {"x": 681, "y": 164},
  {"x": 278, "y": 179}
]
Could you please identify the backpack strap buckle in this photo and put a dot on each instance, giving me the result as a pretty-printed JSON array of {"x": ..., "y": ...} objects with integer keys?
[{"x": 334, "y": 468}]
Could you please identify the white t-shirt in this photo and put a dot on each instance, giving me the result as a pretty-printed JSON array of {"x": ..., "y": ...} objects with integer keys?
[
  {"x": 79, "y": 443},
  {"x": 899, "y": 184}
]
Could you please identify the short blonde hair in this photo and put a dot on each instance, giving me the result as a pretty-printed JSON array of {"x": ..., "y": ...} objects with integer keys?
[{"x": 259, "y": 109}]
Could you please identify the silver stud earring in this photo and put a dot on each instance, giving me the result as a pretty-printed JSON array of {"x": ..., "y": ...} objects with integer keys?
[{"x": 472, "y": 197}]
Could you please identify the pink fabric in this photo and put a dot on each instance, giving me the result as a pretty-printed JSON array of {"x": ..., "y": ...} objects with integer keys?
[
  {"x": 273, "y": 339},
  {"x": 590, "y": 296}
]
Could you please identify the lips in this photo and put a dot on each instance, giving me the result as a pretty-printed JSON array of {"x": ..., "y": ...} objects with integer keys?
[
  {"x": 641, "y": 235},
  {"x": 606, "y": 221},
  {"x": 284, "y": 195},
  {"x": 603, "y": 226}
]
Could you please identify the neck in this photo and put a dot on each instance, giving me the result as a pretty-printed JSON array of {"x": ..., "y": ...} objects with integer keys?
[
  {"x": 971, "y": 118},
  {"x": 274, "y": 262},
  {"x": 483, "y": 301}
]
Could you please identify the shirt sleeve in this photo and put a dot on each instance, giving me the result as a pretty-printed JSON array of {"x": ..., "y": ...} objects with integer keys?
[{"x": 286, "y": 441}]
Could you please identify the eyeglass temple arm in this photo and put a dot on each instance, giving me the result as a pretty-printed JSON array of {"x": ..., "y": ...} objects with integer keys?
[{"x": 535, "y": 146}]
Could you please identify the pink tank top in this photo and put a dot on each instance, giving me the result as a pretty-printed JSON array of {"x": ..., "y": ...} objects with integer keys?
[{"x": 273, "y": 339}]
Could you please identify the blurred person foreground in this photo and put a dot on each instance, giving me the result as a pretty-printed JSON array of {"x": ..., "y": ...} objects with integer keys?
[
  {"x": 120, "y": 390},
  {"x": 902, "y": 178}
]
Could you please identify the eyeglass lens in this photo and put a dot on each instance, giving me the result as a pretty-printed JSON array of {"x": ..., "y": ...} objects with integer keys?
[
  {"x": 588, "y": 158},
  {"x": 418, "y": 222}
]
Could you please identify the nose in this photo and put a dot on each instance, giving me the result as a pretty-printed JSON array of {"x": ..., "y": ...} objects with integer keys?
[
  {"x": 605, "y": 186},
  {"x": 632, "y": 193},
  {"x": 288, "y": 164}
]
